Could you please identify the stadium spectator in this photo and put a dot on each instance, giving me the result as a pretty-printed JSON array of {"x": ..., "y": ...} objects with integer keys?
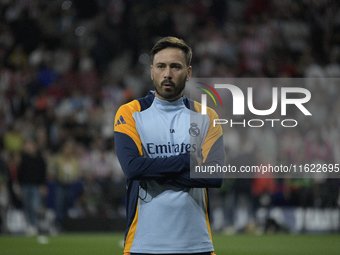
[
  {"x": 65, "y": 173},
  {"x": 101, "y": 167},
  {"x": 32, "y": 178},
  {"x": 4, "y": 194},
  {"x": 13, "y": 139}
]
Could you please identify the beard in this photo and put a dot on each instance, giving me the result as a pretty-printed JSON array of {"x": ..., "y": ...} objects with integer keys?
[{"x": 171, "y": 93}]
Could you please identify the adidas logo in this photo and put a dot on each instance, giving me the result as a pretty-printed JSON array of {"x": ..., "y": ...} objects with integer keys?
[{"x": 120, "y": 121}]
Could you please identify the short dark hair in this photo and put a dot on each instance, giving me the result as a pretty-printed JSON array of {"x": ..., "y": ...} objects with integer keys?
[{"x": 172, "y": 42}]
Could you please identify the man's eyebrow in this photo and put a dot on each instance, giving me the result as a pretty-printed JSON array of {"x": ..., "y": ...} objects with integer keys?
[{"x": 171, "y": 63}]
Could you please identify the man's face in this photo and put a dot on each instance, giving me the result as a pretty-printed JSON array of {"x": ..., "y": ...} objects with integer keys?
[{"x": 169, "y": 73}]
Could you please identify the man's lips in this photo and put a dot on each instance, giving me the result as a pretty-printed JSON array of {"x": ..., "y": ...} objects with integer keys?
[{"x": 167, "y": 84}]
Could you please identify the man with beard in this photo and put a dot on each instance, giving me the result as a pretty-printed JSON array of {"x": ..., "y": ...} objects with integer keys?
[{"x": 157, "y": 138}]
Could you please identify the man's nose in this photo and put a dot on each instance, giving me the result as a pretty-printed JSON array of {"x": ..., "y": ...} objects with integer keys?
[{"x": 167, "y": 73}]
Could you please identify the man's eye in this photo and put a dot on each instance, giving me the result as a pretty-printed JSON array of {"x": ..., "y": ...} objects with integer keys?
[{"x": 160, "y": 67}]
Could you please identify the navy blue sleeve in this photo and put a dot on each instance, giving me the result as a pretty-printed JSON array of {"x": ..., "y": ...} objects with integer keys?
[
  {"x": 137, "y": 167},
  {"x": 215, "y": 157},
  {"x": 184, "y": 181}
]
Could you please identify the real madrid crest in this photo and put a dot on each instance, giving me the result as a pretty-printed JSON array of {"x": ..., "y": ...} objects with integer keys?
[{"x": 194, "y": 130}]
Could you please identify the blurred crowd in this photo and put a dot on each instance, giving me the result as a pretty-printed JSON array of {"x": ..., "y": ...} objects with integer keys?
[{"x": 66, "y": 67}]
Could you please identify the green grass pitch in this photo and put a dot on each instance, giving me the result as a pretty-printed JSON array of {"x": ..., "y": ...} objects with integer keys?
[{"x": 111, "y": 244}]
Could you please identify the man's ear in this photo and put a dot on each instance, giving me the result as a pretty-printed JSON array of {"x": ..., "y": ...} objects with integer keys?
[
  {"x": 189, "y": 72},
  {"x": 151, "y": 72}
]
